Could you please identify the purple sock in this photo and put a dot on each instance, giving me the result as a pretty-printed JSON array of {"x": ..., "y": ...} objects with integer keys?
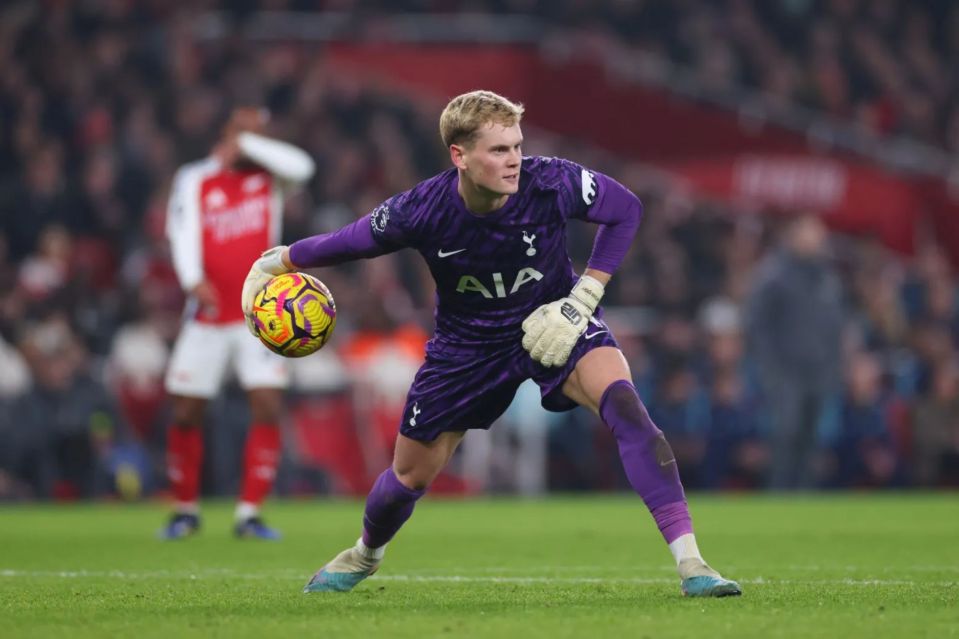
[
  {"x": 647, "y": 458},
  {"x": 388, "y": 506}
]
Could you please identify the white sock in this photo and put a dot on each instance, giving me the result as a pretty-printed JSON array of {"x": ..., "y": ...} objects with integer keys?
[
  {"x": 246, "y": 510},
  {"x": 370, "y": 553},
  {"x": 186, "y": 507},
  {"x": 684, "y": 547}
]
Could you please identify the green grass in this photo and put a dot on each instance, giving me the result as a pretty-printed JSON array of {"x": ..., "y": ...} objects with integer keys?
[{"x": 824, "y": 566}]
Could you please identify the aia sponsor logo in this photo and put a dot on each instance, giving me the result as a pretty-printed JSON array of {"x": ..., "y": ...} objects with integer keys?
[{"x": 472, "y": 284}]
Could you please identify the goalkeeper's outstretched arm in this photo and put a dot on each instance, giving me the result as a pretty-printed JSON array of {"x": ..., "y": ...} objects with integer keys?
[{"x": 352, "y": 242}]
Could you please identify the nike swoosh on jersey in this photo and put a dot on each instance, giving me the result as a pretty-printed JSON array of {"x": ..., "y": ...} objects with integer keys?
[
  {"x": 442, "y": 253},
  {"x": 592, "y": 335}
]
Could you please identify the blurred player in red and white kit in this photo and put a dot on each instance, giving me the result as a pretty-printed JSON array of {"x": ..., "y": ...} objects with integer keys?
[{"x": 224, "y": 211}]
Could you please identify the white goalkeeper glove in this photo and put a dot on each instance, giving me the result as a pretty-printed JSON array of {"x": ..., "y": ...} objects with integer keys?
[
  {"x": 551, "y": 331},
  {"x": 265, "y": 268}
]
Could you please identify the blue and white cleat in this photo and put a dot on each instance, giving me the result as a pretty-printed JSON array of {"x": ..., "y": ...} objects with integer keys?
[
  {"x": 699, "y": 580},
  {"x": 710, "y": 587},
  {"x": 254, "y": 528},
  {"x": 180, "y": 526},
  {"x": 342, "y": 573}
]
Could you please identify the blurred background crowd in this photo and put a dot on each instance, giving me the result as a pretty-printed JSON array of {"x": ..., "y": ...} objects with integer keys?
[{"x": 773, "y": 349}]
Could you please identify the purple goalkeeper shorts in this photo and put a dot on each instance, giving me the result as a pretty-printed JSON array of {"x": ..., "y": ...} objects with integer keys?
[{"x": 462, "y": 387}]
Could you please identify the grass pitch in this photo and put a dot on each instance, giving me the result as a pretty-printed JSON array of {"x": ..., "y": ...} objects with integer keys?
[{"x": 810, "y": 566}]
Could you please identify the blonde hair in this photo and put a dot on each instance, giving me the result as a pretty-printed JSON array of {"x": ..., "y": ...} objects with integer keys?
[{"x": 465, "y": 114}]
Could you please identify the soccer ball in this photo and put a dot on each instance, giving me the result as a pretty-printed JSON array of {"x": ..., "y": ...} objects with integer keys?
[{"x": 294, "y": 314}]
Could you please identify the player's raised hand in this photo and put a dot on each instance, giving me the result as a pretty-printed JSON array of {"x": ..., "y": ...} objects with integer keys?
[
  {"x": 268, "y": 265},
  {"x": 551, "y": 331}
]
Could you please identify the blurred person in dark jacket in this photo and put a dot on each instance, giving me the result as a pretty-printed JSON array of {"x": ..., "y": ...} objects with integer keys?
[
  {"x": 40, "y": 197},
  {"x": 864, "y": 454},
  {"x": 795, "y": 321},
  {"x": 64, "y": 424},
  {"x": 737, "y": 456}
]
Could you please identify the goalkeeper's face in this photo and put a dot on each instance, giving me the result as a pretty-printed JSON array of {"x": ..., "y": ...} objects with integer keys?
[{"x": 492, "y": 162}]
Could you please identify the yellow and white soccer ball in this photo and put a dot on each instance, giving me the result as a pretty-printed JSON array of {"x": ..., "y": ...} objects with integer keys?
[{"x": 294, "y": 314}]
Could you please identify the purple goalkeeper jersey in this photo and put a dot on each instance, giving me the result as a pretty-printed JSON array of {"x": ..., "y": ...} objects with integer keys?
[{"x": 491, "y": 270}]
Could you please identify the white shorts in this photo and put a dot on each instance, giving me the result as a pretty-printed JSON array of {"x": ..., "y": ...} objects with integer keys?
[{"x": 202, "y": 353}]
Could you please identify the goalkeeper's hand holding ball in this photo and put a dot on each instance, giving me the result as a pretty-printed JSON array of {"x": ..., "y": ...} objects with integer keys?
[{"x": 265, "y": 268}]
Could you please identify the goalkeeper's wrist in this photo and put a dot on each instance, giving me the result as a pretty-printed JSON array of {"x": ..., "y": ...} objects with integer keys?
[
  {"x": 286, "y": 257},
  {"x": 272, "y": 261},
  {"x": 588, "y": 291}
]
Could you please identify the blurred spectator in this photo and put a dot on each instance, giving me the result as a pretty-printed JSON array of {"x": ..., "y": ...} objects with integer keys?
[
  {"x": 864, "y": 453},
  {"x": 679, "y": 409},
  {"x": 47, "y": 271},
  {"x": 930, "y": 344},
  {"x": 879, "y": 315},
  {"x": 14, "y": 383},
  {"x": 381, "y": 359},
  {"x": 737, "y": 455},
  {"x": 38, "y": 200},
  {"x": 137, "y": 363},
  {"x": 64, "y": 426},
  {"x": 512, "y": 456},
  {"x": 15, "y": 380},
  {"x": 722, "y": 330},
  {"x": 936, "y": 429},
  {"x": 794, "y": 327}
]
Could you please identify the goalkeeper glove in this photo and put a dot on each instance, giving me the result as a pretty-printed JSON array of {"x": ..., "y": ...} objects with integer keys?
[
  {"x": 265, "y": 268},
  {"x": 551, "y": 331}
]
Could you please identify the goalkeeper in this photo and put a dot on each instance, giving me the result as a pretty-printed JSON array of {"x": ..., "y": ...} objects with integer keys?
[{"x": 509, "y": 308}]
